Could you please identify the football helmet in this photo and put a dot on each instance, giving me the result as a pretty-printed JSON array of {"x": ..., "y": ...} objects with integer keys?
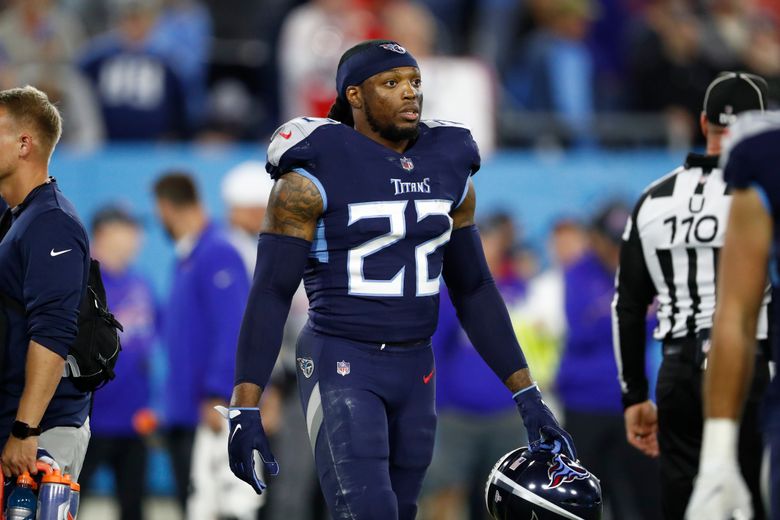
[{"x": 542, "y": 485}]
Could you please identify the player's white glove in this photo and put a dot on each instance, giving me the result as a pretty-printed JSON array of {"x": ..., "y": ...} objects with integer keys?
[{"x": 720, "y": 492}]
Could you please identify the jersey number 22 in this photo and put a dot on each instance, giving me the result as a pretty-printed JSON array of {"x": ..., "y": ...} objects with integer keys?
[{"x": 394, "y": 212}]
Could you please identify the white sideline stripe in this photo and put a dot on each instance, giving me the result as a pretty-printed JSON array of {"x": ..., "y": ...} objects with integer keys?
[{"x": 508, "y": 484}]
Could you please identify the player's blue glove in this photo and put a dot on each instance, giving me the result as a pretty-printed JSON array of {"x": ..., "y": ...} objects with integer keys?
[
  {"x": 544, "y": 432},
  {"x": 246, "y": 435}
]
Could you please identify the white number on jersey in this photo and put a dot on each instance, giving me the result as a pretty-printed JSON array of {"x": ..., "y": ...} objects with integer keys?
[{"x": 394, "y": 212}]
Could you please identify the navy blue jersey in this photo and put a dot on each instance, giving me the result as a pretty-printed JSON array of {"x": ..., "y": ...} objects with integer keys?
[
  {"x": 376, "y": 260},
  {"x": 752, "y": 160}
]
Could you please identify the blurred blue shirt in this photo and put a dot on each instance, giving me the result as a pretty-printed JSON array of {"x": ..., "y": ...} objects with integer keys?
[
  {"x": 201, "y": 324},
  {"x": 587, "y": 377},
  {"x": 131, "y": 300},
  {"x": 464, "y": 382}
]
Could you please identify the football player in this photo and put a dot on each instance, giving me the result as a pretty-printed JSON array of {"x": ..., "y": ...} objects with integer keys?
[{"x": 371, "y": 206}]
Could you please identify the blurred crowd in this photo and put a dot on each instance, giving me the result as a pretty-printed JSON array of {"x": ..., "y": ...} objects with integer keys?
[
  {"x": 559, "y": 300},
  {"x": 201, "y": 70}
]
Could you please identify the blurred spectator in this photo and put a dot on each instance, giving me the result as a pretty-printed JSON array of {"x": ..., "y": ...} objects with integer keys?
[
  {"x": 313, "y": 37},
  {"x": 762, "y": 55},
  {"x": 183, "y": 35},
  {"x": 587, "y": 379},
  {"x": 605, "y": 40},
  {"x": 120, "y": 416},
  {"x": 243, "y": 75},
  {"x": 38, "y": 41},
  {"x": 477, "y": 419},
  {"x": 139, "y": 92},
  {"x": 493, "y": 30},
  {"x": 540, "y": 319},
  {"x": 37, "y": 31},
  {"x": 667, "y": 71},
  {"x": 95, "y": 15},
  {"x": 544, "y": 305},
  {"x": 554, "y": 73},
  {"x": 726, "y": 33},
  {"x": 202, "y": 320},
  {"x": 245, "y": 191}
]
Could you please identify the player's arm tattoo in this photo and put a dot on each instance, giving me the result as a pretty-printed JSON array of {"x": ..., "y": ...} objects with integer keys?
[
  {"x": 463, "y": 215},
  {"x": 294, "y": 207}
]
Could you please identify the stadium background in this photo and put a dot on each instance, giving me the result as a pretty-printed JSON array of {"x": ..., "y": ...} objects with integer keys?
[{"x": 573, "y": 102}]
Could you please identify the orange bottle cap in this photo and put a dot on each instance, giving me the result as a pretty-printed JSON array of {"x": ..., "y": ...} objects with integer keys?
[
  {"x": 25, "y": 479},
  {"x": 75, "y": 486},
  {"x": 53, "y": 477}
]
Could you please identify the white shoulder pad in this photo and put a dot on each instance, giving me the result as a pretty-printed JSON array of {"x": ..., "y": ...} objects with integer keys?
[
  {"x": 747, "y": 125},
  {"x": 435, "y": 123},
  {"x": 293, "y": 132}
]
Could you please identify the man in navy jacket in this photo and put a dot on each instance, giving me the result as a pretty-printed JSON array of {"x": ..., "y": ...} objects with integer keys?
[{"x": 44, "y": 264}]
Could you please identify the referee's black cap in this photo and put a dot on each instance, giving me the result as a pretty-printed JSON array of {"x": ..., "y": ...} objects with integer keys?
[{"x": 734, "y": 92}]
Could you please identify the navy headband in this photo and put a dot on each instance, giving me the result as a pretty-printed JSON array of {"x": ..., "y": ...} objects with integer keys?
[{"x": 385, "y": 55}]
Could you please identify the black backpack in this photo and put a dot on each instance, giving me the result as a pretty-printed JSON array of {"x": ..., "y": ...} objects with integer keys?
[{"x": 94, "y": 353}]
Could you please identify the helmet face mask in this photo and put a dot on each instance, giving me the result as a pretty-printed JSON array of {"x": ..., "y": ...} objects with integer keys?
[{"x": 541, "y": 485}]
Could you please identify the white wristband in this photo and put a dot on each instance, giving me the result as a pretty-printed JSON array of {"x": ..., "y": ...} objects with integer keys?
[{"x": 719, "y": 443}]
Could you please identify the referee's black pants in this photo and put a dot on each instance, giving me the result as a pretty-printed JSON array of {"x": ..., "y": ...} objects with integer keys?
[{"x": 680, "y": 425}]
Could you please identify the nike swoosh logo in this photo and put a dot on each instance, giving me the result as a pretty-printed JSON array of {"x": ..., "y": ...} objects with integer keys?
[
  {"x": 427, "y": 379},
  {"x": 58, "y": 253},
  {"x": 286, "y": 135},
  {"x": 235, "y": 431}
]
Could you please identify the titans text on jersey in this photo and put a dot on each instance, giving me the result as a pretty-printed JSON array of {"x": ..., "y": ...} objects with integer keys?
[{"x": 378, "y": 250}]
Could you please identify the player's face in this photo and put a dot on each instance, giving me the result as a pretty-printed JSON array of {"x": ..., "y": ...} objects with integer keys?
[{"x": 393, "y": 102}]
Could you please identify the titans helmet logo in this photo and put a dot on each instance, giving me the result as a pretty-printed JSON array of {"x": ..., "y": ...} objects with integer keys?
[
  {"x": 307, "y": 366},
  {"x": 560, "y": 472},
  {"x": 394, "y": 47}
]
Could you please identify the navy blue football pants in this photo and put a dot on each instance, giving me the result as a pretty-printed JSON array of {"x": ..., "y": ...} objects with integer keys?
[{"x": 371, "y": 420}]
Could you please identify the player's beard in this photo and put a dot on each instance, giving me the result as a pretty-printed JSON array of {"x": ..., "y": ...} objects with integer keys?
[{"x": 390, "y": 131}]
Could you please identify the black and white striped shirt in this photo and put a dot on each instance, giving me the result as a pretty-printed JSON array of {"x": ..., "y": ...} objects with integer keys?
[{"x": 670, "y": 252}]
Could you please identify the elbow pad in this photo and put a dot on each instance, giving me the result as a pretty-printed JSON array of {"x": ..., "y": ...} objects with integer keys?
[
  {"x": 479, "y": 305},
  {"x": 281, "y": 261}
]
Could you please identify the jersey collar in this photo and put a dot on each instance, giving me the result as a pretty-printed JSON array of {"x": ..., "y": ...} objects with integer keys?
[{"x": 705, "y": 162}]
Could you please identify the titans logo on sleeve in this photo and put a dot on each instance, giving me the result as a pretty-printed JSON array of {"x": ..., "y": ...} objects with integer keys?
[{"x": 377, "y": 255}]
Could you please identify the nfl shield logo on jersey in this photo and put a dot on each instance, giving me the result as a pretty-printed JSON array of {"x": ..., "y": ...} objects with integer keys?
[
  {"x": 342, "y": 367},
  {"x": 407, "y": 164},
  {"x": 307, "y": 366}
]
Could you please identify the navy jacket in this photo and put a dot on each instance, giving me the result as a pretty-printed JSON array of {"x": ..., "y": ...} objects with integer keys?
[
  {"x": 44, "y": 263},
  {"x": 201, "y": 324}
]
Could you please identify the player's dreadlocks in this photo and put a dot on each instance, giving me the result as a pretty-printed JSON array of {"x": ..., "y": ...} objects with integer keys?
[{"x": 341, "y": 111}]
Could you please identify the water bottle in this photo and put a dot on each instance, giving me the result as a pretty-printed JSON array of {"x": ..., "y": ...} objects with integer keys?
[
  {"x": 22, "y": 501},
  {"x": 53, "y": 497},
  {"x": 75, "y": 495}
]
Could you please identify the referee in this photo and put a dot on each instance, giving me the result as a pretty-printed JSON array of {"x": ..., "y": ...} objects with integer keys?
[{"x": 670, "y": 252}]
